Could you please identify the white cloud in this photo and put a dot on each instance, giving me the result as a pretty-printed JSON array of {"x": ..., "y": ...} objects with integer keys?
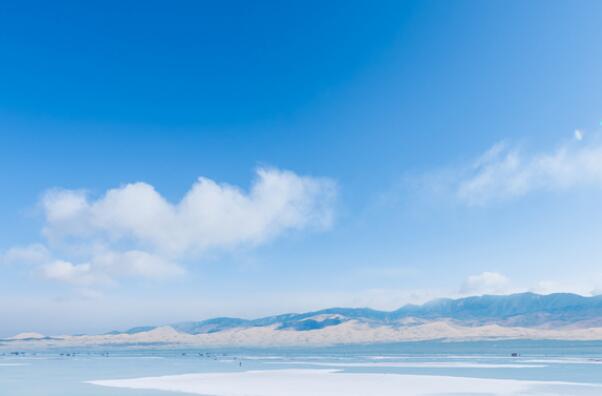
[
  {"x": 505, "y": 172},
  {"x": 496, "y": 283},
  {"x": 104, "y": 265},
  {"x": 134, "y": 231},
  {"x": 210, "y": 215},
  {"x": 64, "y": 271},
  {"x": 585, "y": 287},
  {"x": 548, "y": 287},
  {"x": 31, "y": 254},
  {"x": 62, "y": 205},
  {"x": 134, "y": 263},
  {"x": 486, "y": 283}
]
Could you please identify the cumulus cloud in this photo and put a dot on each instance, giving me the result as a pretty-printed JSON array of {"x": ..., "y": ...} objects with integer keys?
[
  {"x": 486, "y": 283},
  {"x": 210, "y": 215},
  {"x": 506, "y": 172},
  {"x": 133, "y": 230}
]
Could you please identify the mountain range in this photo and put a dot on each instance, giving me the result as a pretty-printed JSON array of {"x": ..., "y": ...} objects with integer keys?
[
  {"x": 515, "y": 316},
  {"x": 523, "y": 310}
]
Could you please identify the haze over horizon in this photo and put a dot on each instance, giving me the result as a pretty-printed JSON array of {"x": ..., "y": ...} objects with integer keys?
[
  {"x": 245, "y": 160},
  {"x": 140, "y": 327}
]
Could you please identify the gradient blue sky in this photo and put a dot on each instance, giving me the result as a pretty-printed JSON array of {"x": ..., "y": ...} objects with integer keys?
[{"x": 462, "y": 139}]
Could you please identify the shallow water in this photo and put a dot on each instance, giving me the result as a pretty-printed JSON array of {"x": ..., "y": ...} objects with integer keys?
[{"x": 53, "y": 373}]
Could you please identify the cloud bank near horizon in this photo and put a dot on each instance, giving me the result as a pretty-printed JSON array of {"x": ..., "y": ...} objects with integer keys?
[{"x": 486, "y": 283}]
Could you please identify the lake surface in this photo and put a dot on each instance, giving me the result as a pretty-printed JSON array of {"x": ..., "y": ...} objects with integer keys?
[{"x": 472, "y": 368}]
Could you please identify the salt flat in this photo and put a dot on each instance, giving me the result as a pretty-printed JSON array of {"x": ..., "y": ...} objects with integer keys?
[{"x": 330, "y": 382}]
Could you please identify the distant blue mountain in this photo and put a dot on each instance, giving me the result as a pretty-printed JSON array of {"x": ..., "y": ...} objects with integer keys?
[
  {"x": 506, "y": 307},
  {"x": 523, "y": 309}
]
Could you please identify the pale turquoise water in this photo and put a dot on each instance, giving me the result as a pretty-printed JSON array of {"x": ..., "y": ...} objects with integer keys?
[{"x": 47, "y": 373}]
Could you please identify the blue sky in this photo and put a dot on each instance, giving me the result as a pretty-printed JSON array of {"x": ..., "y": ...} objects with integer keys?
[{"x": 351, "y": 154}]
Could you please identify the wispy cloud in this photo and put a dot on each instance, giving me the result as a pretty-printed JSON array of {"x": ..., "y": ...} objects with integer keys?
[
  {"x": 506, "y": 172},
  {"x": 105, "y": 264},
  {"x": 586, "y": 287},
  {"x": 134, "y": 231},
  {"x": 64, "y": 271},
  {"x": 35, "y": 253},
  {"x": 498, "y": 283},
  {"x": 486, "y": 283}
]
